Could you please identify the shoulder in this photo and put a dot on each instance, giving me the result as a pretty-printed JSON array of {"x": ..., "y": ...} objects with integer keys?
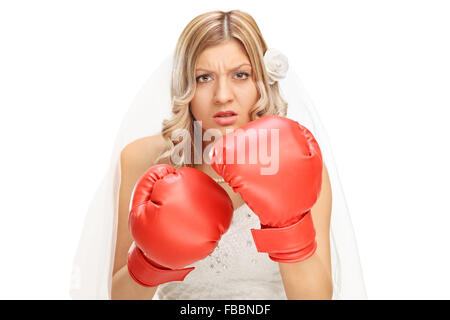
[
  {"x": 143, "y": 151},
  {"x": 135, "y": 158}
]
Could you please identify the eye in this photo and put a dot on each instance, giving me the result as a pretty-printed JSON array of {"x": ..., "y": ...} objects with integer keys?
[
  {"x": 240, "y": 74},
  {"x": 201, "y": 77}
]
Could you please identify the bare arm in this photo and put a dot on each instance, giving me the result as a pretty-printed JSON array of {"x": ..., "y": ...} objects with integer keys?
[
  {"x": 125, "y": 288},
  {"x": 135, "y": 159},
  {"x": 311, "y": 278}
]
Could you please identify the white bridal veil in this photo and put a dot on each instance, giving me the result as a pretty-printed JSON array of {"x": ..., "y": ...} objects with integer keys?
[{"x": 93, "y": 262}]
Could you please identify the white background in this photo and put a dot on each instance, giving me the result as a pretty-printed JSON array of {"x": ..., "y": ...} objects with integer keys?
[{"x": 377, "y": 71}]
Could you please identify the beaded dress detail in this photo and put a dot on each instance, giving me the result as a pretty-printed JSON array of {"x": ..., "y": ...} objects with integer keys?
[{"x": 234, "y": 270}]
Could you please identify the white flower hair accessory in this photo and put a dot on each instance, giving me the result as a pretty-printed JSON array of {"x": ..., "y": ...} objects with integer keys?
[{"x": 276, "y": 65}]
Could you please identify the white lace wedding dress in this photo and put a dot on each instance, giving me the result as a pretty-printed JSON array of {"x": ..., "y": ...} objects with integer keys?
[{"x": 235, "y": 270}]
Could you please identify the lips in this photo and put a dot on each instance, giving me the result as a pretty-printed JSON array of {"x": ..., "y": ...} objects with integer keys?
[
  {"x": 227, "y": 113},
  {"x": 225, "y": 118}
]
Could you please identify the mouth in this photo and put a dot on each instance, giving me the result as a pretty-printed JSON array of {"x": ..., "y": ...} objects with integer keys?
[{"x": 225, "y": 118}]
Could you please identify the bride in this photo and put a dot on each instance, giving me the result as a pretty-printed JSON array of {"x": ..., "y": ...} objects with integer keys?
[{"x": 223, "y": 77}]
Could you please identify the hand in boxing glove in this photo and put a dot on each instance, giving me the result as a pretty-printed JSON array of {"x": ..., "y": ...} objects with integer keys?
[
  {"x": 282, "y": 199},
  {"x": 177, "y": 217}
]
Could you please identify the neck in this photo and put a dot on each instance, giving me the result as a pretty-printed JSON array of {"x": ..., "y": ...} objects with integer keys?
[{"x": 206, "y": 168}]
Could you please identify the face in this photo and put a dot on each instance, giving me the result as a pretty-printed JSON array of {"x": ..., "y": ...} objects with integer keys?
[{"x": 226, "y": 90}]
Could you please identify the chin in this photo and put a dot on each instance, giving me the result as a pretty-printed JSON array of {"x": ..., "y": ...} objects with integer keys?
[
  {"x": 230, "y": 128},
  {"x": 223, "y": 129}
]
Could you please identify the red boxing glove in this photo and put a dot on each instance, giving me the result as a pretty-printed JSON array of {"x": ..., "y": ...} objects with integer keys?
[
  {"x": 282, "y": 196},
  {"x": 176, "y": 219}
]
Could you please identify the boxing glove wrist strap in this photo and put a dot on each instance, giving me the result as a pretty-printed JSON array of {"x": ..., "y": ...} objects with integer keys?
[
  {"x": 288, "y": 244},
  {"x": 148, "y": 275}
]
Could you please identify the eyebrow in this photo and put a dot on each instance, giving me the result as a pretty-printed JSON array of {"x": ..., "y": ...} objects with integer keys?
[{"x": 228, "y": 70}]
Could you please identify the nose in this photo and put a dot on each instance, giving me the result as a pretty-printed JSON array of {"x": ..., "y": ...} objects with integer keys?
[{"x": 223, "y": 92}]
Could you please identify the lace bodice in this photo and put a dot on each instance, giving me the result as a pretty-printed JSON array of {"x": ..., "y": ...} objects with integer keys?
[{"x": 234, "y": 270}]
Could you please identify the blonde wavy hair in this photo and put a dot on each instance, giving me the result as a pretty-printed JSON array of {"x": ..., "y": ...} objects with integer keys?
[{"x": 206, "y": 30}]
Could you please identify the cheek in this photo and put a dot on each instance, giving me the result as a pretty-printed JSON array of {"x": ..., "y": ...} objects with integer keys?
[
  {"x": 200, "y": 110},
  {"x": 199, "y": 106},
  {"x": 248, "y": 96}
]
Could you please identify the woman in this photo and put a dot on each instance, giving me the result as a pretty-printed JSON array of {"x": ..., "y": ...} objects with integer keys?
[{"x": 219, "y": 66}]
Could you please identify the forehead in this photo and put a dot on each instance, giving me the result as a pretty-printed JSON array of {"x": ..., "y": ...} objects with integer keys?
[{"x": 228, "y": 53}]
